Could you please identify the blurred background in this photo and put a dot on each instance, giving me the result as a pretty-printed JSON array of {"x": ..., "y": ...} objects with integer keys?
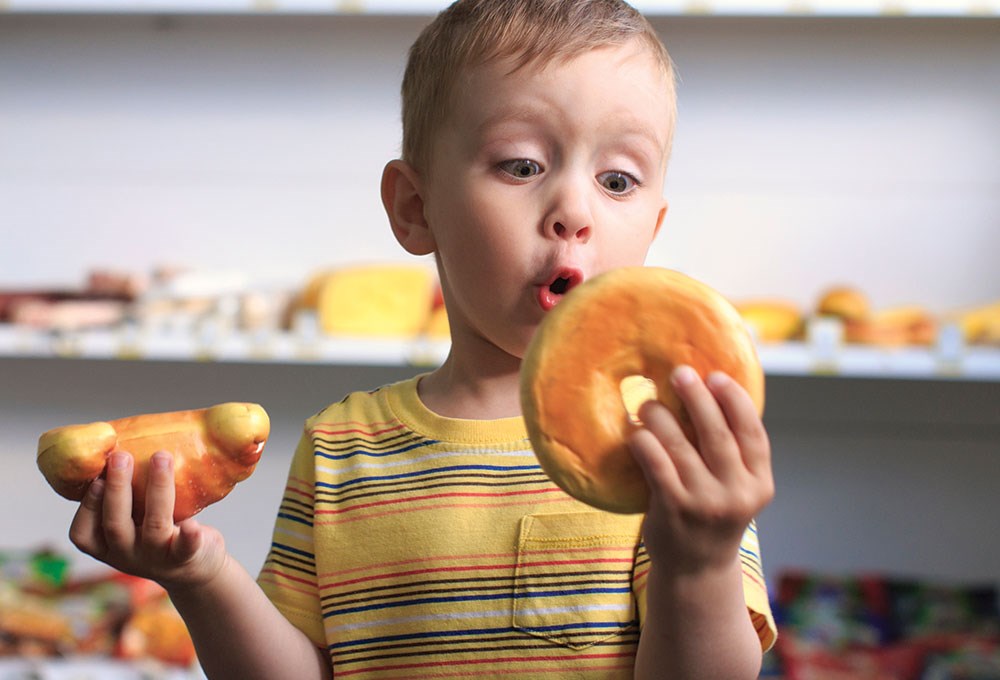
[{"x": 193, "y": 174}]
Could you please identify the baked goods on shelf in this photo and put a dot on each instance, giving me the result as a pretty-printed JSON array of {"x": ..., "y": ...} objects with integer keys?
[
  {"x": 980, "y": 325},
  {"x": 844, "y": 302},
  {"x": 389, "y": 313},
  {"x": 772, "y": 320},
  {"x": 889, "y": 327}
]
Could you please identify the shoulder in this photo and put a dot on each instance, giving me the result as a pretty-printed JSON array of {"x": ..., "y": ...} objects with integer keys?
[{"x": 359, "y": 407}]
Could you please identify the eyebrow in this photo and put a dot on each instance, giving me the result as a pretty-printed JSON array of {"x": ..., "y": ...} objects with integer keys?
[
  {"x": 636, "y": 128},
  {"x": 520, "y": 114},
  {"x": 528, "y": 114}
]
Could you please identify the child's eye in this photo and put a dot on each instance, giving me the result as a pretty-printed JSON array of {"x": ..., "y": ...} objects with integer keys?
[
  {"x": 521, "y": 168},
  {"x": 617, "y": 182}
]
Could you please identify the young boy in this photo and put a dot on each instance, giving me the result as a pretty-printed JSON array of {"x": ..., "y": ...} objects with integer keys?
[{"x": 417, "y": 536}]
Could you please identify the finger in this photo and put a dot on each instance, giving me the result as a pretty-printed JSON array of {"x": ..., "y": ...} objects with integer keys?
[
  {"x": 158, "y": 520},
  {"x": 716, "y": 443},
  {"x": 657, "y": 467},
  {"x": 86, "y": 531},
  {"x": 188, "y": 541},
  {"x": 744, "y": 422},
  {"x": 119, "y": 528},
  {"x": 662, "y": 424}
]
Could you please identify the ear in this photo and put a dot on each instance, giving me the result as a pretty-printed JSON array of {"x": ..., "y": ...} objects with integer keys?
[{"x": 403, "y": 200}]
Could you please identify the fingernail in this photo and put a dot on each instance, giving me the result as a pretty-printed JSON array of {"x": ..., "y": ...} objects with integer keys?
[
  {"x": 717, "y": 379},
  {"x": 161, "y": 461},
  {"x": 118, "y": 461},
  {"x": 684, "y": 375}
]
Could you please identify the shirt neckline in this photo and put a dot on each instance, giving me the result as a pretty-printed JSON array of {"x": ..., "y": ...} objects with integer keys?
[{"x": 406, "y": 405}]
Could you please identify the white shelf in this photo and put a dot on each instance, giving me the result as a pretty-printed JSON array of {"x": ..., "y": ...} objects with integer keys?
[
  {"x": 926, "y": 8},
  {"x": 792, "y": 359},
  {"x": 269, "y": 347},
  {"x": 857, "y": 361}
]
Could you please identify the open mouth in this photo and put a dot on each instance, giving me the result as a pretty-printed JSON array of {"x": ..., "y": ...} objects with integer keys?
[
  {"x": 550, "y": 295},
  {"x": 560, "y": 285}
]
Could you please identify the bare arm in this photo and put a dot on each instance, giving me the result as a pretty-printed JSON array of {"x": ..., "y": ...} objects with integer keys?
[
  {"x": 237, "y": 631},
  {"x": 239, "y": 634},
  {"x": 698, "y": 627},
  {"x": 702, "y": 499}
]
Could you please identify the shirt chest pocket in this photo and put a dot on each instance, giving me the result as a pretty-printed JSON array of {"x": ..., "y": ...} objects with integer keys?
[{"x": 573, "y": 579}]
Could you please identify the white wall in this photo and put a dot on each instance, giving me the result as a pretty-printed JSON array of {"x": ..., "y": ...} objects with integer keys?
[{"x": 809, "y": 151}]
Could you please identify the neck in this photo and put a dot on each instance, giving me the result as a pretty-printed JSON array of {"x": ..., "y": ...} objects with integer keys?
[{"x": 480, "y": 385}]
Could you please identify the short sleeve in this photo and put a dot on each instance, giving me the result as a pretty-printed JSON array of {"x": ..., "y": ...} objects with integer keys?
[
  {"x": 754, "y": 587},
  {"x": 288, "y": 576}
]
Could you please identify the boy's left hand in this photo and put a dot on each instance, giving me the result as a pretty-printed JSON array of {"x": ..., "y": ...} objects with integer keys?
[{"x": 702, "y": 498}]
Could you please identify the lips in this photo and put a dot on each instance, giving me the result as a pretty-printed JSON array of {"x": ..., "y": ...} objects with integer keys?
[{"x": 551, "y": 292}]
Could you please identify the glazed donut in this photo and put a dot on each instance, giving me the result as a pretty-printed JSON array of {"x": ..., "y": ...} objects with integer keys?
[{"x": 634, "y": 321}]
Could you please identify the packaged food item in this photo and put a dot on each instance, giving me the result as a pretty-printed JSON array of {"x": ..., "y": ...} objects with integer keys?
[
  {"x": 380, "y": 300},
  {"x": 155, "y": 630},
  {"x": 880, "y": 627},
  {"x": 46, "y": 614}
]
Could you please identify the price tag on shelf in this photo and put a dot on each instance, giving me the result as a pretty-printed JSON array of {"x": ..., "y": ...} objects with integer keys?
[
  {"x": 99, "y": 343},
  {"x": 825, "y": 337},
  {"x": 171, "y": 346},
  {"x": 130, "y": 343},
  {"x": 37, "y": 342},
  {"x": 950, "y": 350},
  {"x": 12, "y": 341}
]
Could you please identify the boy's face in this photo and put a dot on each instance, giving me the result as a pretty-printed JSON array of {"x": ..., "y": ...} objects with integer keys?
[{"x": 543, "y": 178}]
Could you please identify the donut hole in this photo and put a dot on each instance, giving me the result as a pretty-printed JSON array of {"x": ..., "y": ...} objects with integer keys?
[{"x": 636, "y": 390}]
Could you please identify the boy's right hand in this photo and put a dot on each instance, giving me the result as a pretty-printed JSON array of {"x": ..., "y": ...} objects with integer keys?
[{"x": 174, "y": 555}]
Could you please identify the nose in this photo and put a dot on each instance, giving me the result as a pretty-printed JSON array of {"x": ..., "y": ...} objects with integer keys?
[
  {"x": 572, "y": 233},
  {"x": 570, "y": 216}
]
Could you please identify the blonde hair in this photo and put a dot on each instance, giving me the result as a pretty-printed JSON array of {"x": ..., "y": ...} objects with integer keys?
[{"x": 473, "y": 32}]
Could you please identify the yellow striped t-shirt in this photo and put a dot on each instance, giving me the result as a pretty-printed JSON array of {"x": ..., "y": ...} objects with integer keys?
[{"x": 415, "y": 546}]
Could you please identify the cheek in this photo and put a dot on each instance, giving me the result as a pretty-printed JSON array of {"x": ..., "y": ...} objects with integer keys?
[
  {"x": 483, "y": 227},
  {"x": 628, "y": 245}
]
